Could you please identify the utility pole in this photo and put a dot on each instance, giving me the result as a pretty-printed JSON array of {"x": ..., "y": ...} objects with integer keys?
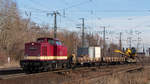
[
  {"x": 55, "y": 13},
  {"x": 104, "y": 47},
  {"x": 138, "y": 41},
  {"x": 120, "y": 41},
  {"x": 83, "y": 40},
  {"x": 130, "y": 39},
  {"x": 28, "y": 14},
  {"x": 130, "y": 42}
]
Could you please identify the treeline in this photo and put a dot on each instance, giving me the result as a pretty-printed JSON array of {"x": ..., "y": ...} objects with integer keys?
[{"x": 16, "y": 31}]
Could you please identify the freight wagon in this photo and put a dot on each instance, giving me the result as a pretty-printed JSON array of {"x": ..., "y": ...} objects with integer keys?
[{"x": 92, "y": 55}]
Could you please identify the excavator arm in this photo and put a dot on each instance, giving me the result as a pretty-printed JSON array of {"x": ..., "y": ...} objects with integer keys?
[{"x": 129, "y": 52}]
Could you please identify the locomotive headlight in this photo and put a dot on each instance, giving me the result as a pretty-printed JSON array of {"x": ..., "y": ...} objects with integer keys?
[
  {"x": 25, "y": 56},
  {"x": 32, "y": 43}
]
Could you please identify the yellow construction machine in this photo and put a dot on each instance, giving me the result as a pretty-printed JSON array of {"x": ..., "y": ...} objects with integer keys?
[{"x": 129, "y": 54}]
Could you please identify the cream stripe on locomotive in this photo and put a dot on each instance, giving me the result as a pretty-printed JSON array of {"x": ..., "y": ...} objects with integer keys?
[{"x": 46, "y": 57}]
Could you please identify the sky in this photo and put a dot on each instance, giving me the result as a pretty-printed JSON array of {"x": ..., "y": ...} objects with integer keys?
[{"x": 124, "y": 16}]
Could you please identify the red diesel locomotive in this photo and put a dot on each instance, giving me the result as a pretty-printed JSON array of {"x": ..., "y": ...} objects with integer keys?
[{"x": 44, "y": 54}]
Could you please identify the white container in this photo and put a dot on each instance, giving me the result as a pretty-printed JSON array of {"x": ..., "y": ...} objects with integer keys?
[
  {"x": 94, "y": 52},
  {"x": 97, "y": 52}
]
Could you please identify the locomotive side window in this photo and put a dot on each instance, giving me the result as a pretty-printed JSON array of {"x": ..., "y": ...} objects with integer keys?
[{"x": 51, "y": 41}]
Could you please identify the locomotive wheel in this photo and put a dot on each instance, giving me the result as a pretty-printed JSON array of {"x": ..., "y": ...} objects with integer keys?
[
  {"x": 64, "y": 66},
  {"x": 27, "y": 70},
  {"x": 53, "y": 66}
]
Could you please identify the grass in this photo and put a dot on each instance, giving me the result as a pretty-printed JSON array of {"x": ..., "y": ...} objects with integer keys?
[{"x": 142, "y": 77}]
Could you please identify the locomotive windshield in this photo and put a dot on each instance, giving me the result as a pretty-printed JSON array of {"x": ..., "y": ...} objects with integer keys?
[
  {"x": 58, "y": 43},
  {"x": 40, "y": 40},
  {"x": 49, "y": 40},
  {"x": 32, "y": 48}
]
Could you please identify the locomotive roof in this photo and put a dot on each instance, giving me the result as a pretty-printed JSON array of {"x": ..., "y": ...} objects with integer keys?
[{"x": 49, "y": 38}]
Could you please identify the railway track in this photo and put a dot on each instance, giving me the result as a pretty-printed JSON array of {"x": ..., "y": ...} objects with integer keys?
[
  {"x": 68, "y": 76},
  {"x": 8, "y": 71},
  {"x": 15, "y": 73},
  {"x": 106, "y": 71}
]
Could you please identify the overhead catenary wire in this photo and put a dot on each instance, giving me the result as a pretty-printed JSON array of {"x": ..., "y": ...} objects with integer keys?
[
  {"x": 33, "y": 9},
  {"x": 84, "y": 2},
  {"x": 75, "y": 5},
  {"x": 73, "y": 21},
  {"x": 36, "y": 10},
  {"x": 47, "y": 11},
  {"x": 33, "y": 1},
  {"x": 91, "y": 12}
]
